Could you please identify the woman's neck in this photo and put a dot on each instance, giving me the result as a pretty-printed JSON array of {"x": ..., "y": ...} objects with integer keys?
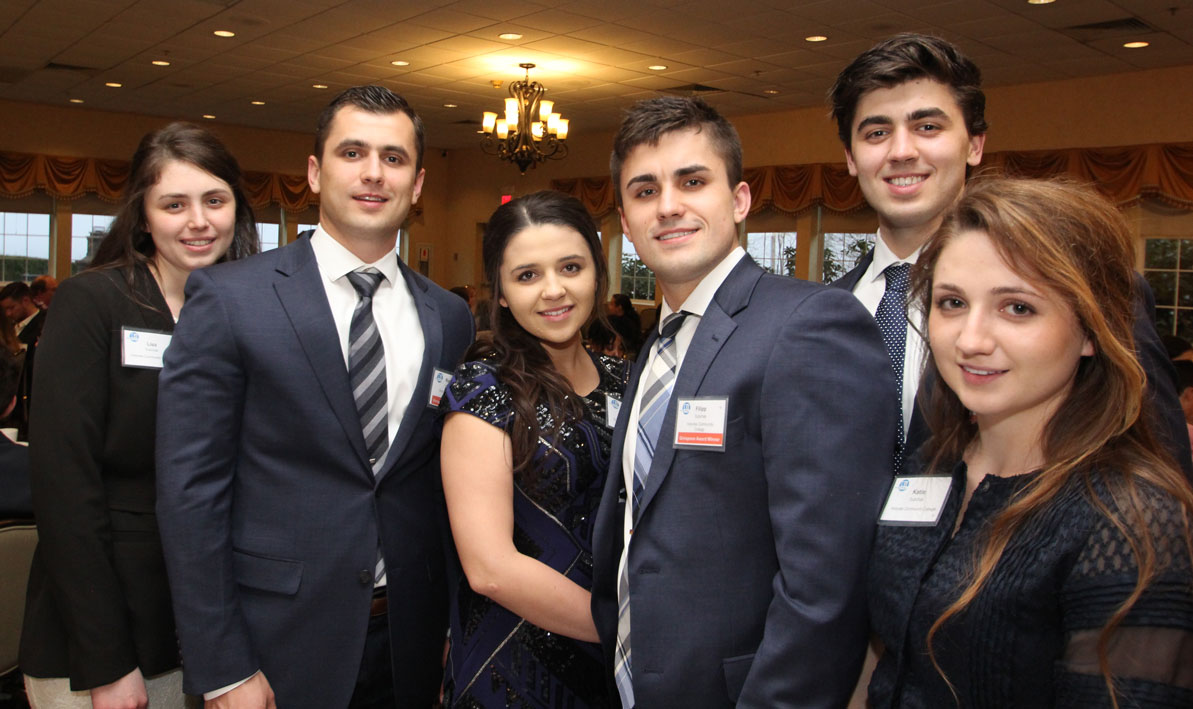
[
  {"x": 172, "y": 283},
  {"x": 1006, "y": 449},
  {"x": 573, "y": 362}
]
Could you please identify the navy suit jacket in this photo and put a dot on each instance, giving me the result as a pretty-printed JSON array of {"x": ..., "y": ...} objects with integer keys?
[
  {"x": 747, "y": 566},
  {"x": 270, "y": 513},
  {"x": 1168, "y": 418}
]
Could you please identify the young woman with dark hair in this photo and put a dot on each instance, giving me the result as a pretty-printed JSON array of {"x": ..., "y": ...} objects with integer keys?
[
  {"x": 1042, "y": 558},
  {"x": 99, "y": 629},
  {"x": 525, "y": 454}
]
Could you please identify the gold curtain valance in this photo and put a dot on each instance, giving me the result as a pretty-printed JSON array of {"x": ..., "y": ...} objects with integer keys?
[
  {"x": 22, "y": 174},
  {"x": 1163, "y": 172}
]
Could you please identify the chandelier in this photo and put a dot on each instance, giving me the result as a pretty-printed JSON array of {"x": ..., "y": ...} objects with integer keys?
[{"x": 531, "y": 131}]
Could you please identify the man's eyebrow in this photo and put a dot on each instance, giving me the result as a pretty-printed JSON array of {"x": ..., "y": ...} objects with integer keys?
[
  {"x": 930, "y": 112},
  {"x": 690, "y": 169},
  {"x": 644, "y": 177},
  {"x": 874, "y": 121}
]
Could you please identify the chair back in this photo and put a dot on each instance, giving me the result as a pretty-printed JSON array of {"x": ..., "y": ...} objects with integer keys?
[{"x": 18, "y": 538}]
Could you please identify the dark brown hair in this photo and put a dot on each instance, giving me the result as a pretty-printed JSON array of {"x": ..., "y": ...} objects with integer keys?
[
  {"x": 647, "y": 121},
  {"x": 1071, "y": 241},
  {"x": 522, "y": 364},
  {"x": 127, "y": 242},
  {"x": 373, "y": 99},
  {"x": 902, "y": 58}
]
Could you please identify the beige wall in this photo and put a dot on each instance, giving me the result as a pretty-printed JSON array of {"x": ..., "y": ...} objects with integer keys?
[{"x": 464, "y": 186}]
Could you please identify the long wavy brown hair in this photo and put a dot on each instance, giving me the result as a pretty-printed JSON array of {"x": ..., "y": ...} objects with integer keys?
[
  {"x": 1067, "y": 238},
  {"x": 522, "y": 364}
]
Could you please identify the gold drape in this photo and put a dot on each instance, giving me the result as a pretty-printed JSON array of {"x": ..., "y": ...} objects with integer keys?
[{"x": 1163, "y": 172}]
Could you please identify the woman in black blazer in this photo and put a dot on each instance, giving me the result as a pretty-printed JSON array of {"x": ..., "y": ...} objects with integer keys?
[{"x": 99, "y": 630}]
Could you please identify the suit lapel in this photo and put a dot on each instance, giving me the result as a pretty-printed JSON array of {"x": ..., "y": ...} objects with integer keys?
[
  {"x": 303, "y": 297},
  {"x": 431, "y": 321},
  {"x": 713, "y": 331}
]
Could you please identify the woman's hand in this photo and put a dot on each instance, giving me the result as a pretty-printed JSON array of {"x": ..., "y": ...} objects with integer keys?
[{"x": 128, "y": 692}]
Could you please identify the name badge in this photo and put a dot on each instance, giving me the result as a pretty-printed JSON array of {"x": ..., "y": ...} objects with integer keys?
[
  {"x": 143, "y": 349},
  {"x": 916, "y": 500},
  {"x": 700, "y": 422},
  {"x": 438, "y": 386},
  {"x": 612, "y": 409}
]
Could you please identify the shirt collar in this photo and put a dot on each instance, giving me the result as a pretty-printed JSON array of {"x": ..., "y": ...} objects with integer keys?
[
  {"x": 698, "y": 300},
  {"x": 335, "y": 261},
  {"x": 883, "y": 257}
]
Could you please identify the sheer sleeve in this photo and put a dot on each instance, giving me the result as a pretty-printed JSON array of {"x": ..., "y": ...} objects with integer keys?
[{"x": 1150, "y": 654}]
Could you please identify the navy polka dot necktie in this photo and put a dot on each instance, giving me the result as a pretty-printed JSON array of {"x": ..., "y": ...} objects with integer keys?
[{"x": 892, "y": 322}]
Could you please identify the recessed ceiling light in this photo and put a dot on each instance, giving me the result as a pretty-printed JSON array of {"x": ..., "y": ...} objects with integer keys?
[
  {"x": 451, "y": 105},
  {"x": 113, "y": 84},
  {"x": 224, "y": 33},
  {"x": 257, "y": 103},
  {"x": 657, "y": 67},
  {"x": 771, "y": 92},
  {"x": 815, "y": 38},
  {"x": 318, "y": 86},
  {"x": 399, "y": 62},
  {"x": 1135, "y": 45},
  {"x": 76, "y": 100},
  {"x": 1040, "y": 2},
  {"x": 509, "y": 35},
  {"x": 160, "y": 62},
  {"x": 209, "y": 116}
]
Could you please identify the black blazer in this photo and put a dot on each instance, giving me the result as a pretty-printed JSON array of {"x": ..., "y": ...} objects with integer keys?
[
  {"x": 98, "y": 603},
  {"x": 1168, "y": 418}
]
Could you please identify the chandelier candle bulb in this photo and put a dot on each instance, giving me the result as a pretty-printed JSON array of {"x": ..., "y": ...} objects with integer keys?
[
  {"x": 489, "y": 122},
  {"x": 536, "y": 130},
  {"x": 545, "y": 109},
  {"x": 553, "y": 123},
  {"x": 503, "y": 130},
  {"x": 511, "y": 112},
  {"x": 563, "y": 129}
]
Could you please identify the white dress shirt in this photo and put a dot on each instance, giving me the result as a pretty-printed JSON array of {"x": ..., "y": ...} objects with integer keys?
[{"x": 869, "y": 290}]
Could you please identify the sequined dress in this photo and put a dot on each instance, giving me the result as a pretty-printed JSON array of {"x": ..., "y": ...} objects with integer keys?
[{"x": 497, "y": 659}]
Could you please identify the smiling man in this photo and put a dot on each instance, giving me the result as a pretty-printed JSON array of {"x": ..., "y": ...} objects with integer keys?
[
  {"x": 910, "y": 112},
  {"x": 299, "y": 496},
  {"x": 731, "y": 544}
]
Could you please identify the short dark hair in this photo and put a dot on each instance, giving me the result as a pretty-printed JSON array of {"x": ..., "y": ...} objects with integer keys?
[
  {"x": 1184, "y": 374},
  {"x": 650, "y": 119},
  {"x": 17, "y": 290},
  {"x": 128, "y": 242},
  {"x": 902, "y": 58},
  {"x": 374, "y": 99}
]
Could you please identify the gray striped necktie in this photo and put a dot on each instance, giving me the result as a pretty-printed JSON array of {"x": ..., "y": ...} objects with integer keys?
[{"x": 366, "y": 367}]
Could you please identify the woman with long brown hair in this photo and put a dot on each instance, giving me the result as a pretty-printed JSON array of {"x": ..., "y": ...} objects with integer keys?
[
  {"x": 1042, "y": 557},
  {"x": 525, "y": 453}
]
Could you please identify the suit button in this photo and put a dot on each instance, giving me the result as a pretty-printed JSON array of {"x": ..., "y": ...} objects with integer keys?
[{"x": 365, "y": 576}]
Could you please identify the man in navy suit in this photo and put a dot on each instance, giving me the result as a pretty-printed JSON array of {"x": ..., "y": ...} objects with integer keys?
[
  {"x": 910, "y": 112},
  {"x": 730, "y": 546},
  {"x": 302, "y": 516}
]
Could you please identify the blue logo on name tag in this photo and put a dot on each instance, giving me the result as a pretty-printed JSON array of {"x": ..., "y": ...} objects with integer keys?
[
  {"x": 687, "y": 408},
  {"x": 133, "y": 336},
  {"x": 903, "y": 484}
]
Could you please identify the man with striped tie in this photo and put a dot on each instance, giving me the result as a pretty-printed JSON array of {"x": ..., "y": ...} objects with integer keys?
[
  {"x": 731, "y": 544},
  {"x": 299, "y": 495}
]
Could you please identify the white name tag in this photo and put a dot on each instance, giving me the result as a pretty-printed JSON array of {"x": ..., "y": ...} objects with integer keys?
[
  {"x": 438, "y": 386},
  {"x": 916, "y": 500},
  {"x": 612, "y": 409},
  {"x": 700, "y": 423},
  {"x": 143, "y": 349}
]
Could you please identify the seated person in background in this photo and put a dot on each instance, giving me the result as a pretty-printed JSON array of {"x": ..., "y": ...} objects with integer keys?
[
  {"x": 15, "y": 499},
  {"x": 602, "y": 339},
  {"x": 626, "y": 322},
  {"x": 1049, "y": 564}
]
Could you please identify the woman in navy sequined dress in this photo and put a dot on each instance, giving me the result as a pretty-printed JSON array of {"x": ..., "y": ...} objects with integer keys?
[{"x": 525, "y": 451}]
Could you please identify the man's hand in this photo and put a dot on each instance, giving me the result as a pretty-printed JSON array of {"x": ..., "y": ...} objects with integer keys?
[
  {"x": 128, "y": 692},
  {"x": 253, "y": 694}
]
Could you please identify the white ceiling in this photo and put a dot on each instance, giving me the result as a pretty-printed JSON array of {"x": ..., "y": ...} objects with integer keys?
[{"x": 591, "y": 54}]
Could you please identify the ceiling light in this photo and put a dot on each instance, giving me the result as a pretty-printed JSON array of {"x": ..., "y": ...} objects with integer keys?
[
  {"x": 771, "y": 92},
  {"x": 257, "y": 103},
  {"x": 160, "y": 62},
  {"x": 1040, "y": 2},
  {"x": 209, "y": 116},
  {"x": 531, "y": 130},
  {"x": 657, "y": 67},
  {"x": 451, "y": 105},
  {"x": 509, "y": 35},
  {"x": 1135, "y": 45},
  {"x": 224, "y": 33},
  {"x": 318, "y": 86},
  {"x": 399, "y": 62},
  {"x": 113, "y": 84},
  {"x": 76, "y": 100},
  {"x": 815, "y": 38}
]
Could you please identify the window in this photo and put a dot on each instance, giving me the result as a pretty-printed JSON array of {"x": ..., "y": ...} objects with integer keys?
[
  {"x": 841, "y": 253},
  {"x": 1168, "y": 267},
  {"x": 637, "y": 281},
  {"x": 774, "y": 251},
  {"x": 267, "y": 235},
  {"x": 26, "y": 238},
  {"x": 86, "y": 231}
]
